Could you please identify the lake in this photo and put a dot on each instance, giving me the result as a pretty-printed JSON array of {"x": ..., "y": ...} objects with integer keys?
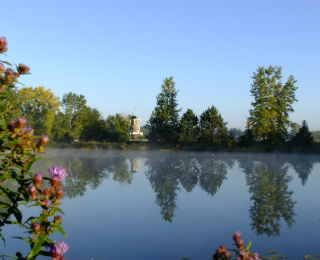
[{"x": 174, "y": 205}]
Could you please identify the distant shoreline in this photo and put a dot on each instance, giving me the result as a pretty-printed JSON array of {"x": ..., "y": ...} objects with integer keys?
[{"x": 145, "y": 145}]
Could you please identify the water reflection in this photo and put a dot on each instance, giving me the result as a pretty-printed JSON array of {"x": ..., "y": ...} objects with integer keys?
[
  {"x": 169, "y": 173},
  {"x": 268, "y": 182}
]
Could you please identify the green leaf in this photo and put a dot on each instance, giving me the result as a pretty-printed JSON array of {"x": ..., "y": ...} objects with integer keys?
[
  {"x": 3, "y": 239},
  {"x": 4, "y": 204},
  {"x": 11, "y": 256},
  {"x": 36, "y": 247},
  {"x": 248, "y": 247},
  {"x": 59, "y": 228},
  {"x": 6, "y": 62},
  {"x": 17, "y": 213},
  {"x": 30, "y": 218}
]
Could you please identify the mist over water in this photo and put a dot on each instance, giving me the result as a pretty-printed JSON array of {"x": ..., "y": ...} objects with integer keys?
[{"x": 173, "y": 205}]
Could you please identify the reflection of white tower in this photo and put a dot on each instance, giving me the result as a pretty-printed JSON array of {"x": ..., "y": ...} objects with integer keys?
[{"x": 135, "y": 165}]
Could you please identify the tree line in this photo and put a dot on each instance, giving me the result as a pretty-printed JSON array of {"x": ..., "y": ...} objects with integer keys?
[
  {"x": 68, "y": 119},
  {"x": 267, "y": 125}
]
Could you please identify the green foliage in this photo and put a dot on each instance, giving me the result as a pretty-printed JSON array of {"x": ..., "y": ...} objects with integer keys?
[
  {"x": 73, "y": 106},
  {"x": 163, "y": 125},
  {"x": 246, "y": 139},
  {"x": 272, "y": 103},
  {"x": 235, "y": 133},
  {"x": 189, "y": 128},
  {"x": 118, "y": 128},
  {"x": 316, "y": 136},
  {"x": 303, "y": 138},
  {"x": 294, "y": 129},
  {"x": 38, "y": 106},
  {"x": 213, "y": 130},
  {"x": 94, "y": 127},
  {"x": 18, "y": 152}
]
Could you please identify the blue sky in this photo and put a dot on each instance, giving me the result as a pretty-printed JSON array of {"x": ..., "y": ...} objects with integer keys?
[{"x": 116, "y": 53}]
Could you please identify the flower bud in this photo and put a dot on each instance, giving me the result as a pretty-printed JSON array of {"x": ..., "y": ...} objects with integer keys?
[
  {"x": 240, "y": 243},
  {"x": 237, "y": 235},
  {"x": 36, "y": 227},
  {"x": 57, "y": 220},
  {"x": 256, "y": 256},
  {"x": 219, "y": 251},
  {"x": 243, "y": 255},
  {"x": 55, "y": 181},
  {"x": 223, "y": 248},
  {"x": 23, "y": 69},
  {"x": 11, "y": 125},
  {"x": 37, "y": 179},
  {"x": 21, "y": 122},
  {"x": 1, "y": 68},
  {"x": 8, "y": 76},
  {"x": 59, "y": 193},
  {"x": 27, "y": 131},
  {"x": 43, "y": 140},
  {"x": 32, "y": 191},
  {"x": 46, "y": 192},
  {"x": 3, "y": 44}
]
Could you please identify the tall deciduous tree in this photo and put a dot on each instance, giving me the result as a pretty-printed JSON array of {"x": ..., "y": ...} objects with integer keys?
[
  {"x": 39, "y": 106},
  {"x": 272, "y": 103},
  {"x": 213, "y": 129},
  {"x": 189, "y": 128},
  {"x": 163, "y": 124},
  {"x": 117, "y": 128},
  {"x": 73, "y": 107},
  {"x": 93, "y": 125}
]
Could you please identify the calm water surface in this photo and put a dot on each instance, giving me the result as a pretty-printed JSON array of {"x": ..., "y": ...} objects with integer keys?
[{"x": 173, "y": 205}]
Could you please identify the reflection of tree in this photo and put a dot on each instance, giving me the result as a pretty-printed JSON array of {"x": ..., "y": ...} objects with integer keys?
[
  {"x": 303, "y": 166},
  {"x": 86, "y": 169},
  {"x": 83, "y": 171},
  {"x": 212, "y": 174},
  {"x": 188, "y": 172},
  {"x": 121, "y": 171},
  {"x": 268, "y": 181},
  {"x": 163, "y": 177},
  {"x": 166, "y": 171}
]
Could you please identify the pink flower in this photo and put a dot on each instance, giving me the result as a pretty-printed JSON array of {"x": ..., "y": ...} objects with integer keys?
[
  {"x": 58, "y": 249},
  {"x": 57, "y": 171}
]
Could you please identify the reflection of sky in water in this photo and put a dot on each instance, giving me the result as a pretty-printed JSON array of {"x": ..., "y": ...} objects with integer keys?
[{"x": 116, "y": 199}]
